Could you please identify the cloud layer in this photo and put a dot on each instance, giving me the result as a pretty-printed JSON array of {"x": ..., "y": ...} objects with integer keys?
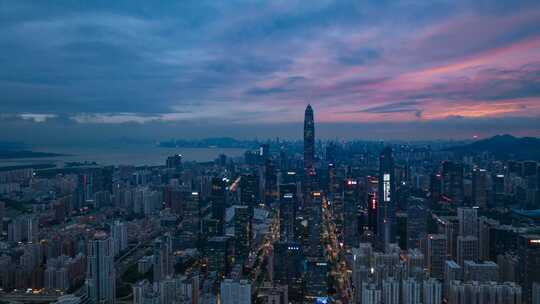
[{"x": 251, "y": 66}]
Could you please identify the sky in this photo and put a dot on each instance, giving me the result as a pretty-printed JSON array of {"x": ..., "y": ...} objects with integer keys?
[{"x": 87, "y": 71}]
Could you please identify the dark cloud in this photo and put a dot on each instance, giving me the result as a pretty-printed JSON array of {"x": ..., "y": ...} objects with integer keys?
[
  {"x": 398, "y": 107},
  {"x": 93, "y": 65}
]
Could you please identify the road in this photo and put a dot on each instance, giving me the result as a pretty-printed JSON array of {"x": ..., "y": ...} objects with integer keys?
[
  {"x": 263, "y": 251},
  {"x": 335, "y": 255}
]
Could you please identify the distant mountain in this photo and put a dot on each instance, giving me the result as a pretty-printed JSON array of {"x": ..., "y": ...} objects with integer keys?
[
  {"x": 503, "y": 147},
  {"x": 219, "y": 142},
  {"x": 9, "y": 154}
]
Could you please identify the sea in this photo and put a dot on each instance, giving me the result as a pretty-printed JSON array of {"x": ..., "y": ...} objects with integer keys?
[{"x": 136, "y": 155}]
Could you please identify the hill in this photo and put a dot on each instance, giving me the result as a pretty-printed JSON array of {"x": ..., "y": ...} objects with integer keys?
[{"x": 503, "y": 147}]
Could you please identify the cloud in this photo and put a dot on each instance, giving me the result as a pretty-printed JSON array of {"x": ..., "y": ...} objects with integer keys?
[
  {"x": 245, "y": 61},
  {"x": 35, "y": 117}
]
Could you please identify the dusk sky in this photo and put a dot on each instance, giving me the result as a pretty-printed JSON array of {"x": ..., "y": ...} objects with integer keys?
[{"x": 90, "y": 70}]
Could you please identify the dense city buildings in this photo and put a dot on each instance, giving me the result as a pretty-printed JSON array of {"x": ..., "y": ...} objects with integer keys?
[{"x": 289, "y": 222}]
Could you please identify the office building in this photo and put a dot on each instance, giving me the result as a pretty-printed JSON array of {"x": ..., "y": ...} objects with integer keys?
[{"x": 387, "y": 205}]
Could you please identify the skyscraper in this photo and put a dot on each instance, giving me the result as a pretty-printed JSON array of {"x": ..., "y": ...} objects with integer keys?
[
  {"x": 287, "y": 211},
  {"x": 309, "y": 140},
  {"x": 387, "y": 206},
  {"x": 100, "y": 276},
  {"x": 242, "y": 232}
]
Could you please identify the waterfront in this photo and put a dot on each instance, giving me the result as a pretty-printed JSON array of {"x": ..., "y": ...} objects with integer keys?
[{"x": 121, "y": 155}]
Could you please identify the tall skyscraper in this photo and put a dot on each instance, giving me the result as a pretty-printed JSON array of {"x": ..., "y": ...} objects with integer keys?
[
  {"x": 100, "y": 275},
  {"x": 288, "y": 204},
  {"x": 242, "y": 232},
  {"x": 309, "y": 140},
  {"x": 387, "y": 205},
  {"x": 218, "y": 199}
]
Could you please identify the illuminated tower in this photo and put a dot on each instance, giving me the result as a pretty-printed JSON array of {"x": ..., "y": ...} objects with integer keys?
[
  {"x": 386, "y": 213},
  {"x": 309, "y": 140}
]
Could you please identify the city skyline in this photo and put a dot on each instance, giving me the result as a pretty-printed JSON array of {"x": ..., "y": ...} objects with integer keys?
[{"x": 397, "y": 70}]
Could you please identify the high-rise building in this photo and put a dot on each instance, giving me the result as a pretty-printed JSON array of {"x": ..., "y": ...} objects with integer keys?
[
  {"x": 192, "y": 213},
  {"x": 480, "y": 187},
  {"x": 2, "y": 212},
  {"x": 432, "y": 292},
  {"x": 162, "y": 265},
  {"x": 415, "y": 264},
  {"x": 217, "y": 250},
  {"x": 387, "y": 201},
  {"x": 313, "y": 243},
  {"x": 235, "y": 292},
  {"x": 390, "y": 291},
  {"x": 535, "y": 298},
  {"x": 468, "y": 221},
  {"x": 100, "y": 275},
  {"x": 481, "y": 272},
  {"x": 452, "y": 272},
  {"x": 529, "y": 261},
  {"x": 119, "y": 236},
  {"x": 467, "y": 249},
  {"x": 351, "y": 201},
  {"x": 452, "y": 181},
  {"x": 289, "y": 267},
  {"x": 370, "y": 294},
  {"x": 242, "y": 232},
  {"x": 174, "y": 162},
  {"x": 288, "y": 204},
  {"x": 508, "y": 267},
  {"x": 411, "y": 291},
  {"x": 416, "y": 222},
  {"x": 436, "y": 255},
  {"x": 309, "y": 140},
  {"x": 218, "y": 199},
  {"x": 484, "y": 293},
  {"x": 249, "y": 190},
  {"x": 316, "y": 279}
]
